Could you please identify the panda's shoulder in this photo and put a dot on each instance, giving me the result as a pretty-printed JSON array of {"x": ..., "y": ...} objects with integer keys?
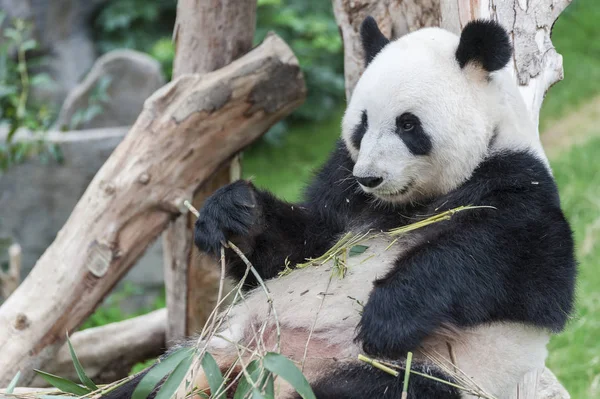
[{"x": 515, "y": 176}]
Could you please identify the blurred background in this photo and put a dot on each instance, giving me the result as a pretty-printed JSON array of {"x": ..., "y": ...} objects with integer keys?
[{"x": 89, "y": 64}]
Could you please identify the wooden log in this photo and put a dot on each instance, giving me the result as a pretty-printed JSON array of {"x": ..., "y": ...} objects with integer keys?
[
  {"x": 536, "y": 66},
  {"x": 10, "y": 279},
  {"x": 208, "y": 35},
  {"x": 185, "y": 132},
  {"x": 109, "y": 352}
]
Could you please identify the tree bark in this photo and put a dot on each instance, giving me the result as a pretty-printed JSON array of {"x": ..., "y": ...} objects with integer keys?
[
  {"x": 109, "y": 352},
  {"x": 208, "y": 35},
  {"x": 536, "y": 66},
  {"x": 185, "y": 132}
]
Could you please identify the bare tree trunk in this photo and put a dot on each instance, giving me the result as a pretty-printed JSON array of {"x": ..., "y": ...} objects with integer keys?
[
  {"x": 208, "y": 35},
  {"x": 185, "y": 132},
  {"x": 537, "y": 66}
]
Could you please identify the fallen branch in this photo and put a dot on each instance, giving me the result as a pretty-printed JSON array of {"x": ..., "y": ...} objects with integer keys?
[
  {"x": 109, "y": 352},
  {"x": 185, "y": 132}
]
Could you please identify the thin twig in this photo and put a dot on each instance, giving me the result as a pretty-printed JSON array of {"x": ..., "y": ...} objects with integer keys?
[
  {"x": 263, "y": 286},
  {"x": 312, "y": 328},
  {"x": 407, "y": 375}
]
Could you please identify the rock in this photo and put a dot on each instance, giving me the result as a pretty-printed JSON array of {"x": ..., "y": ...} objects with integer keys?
[
  {"x": 37, "y": 198},
  {"x": 113, "y": 93}
]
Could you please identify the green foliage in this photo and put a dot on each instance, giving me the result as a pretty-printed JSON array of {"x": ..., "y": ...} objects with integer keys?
[
  {"x": 575, "y": 36},
  {"x": 136, "y": 24},
  {"x": 213, "y": 375},
  {"x": 16, "y": 83},
  {"x": 63, "y": 384},
  {"x": 286, "y": 369},
  {"x": 13, "y": 383},
  {"x": 574, "y": 353},
  {"x": 85, "y": 380},
  {"x": 308, "y": 26}
]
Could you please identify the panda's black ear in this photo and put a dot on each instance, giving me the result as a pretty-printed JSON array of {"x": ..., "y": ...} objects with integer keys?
[
  {"x": 372, "y": 39},
  {"x": 485, "y": 43}
]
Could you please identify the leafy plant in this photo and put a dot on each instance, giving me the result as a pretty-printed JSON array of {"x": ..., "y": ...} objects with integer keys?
[
  {"x": 16, "y": 109},
  {"x": 95, "y": 106}
]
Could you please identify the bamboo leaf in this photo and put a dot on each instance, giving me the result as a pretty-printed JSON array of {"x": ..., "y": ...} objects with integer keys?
[
  {"x": 244, "y": 385},
  {"x": 85, "y": 380},
  {"x": 158, "y": 372},
  {"x": 286, "y": 369},
  {"x": 357, "y": 250},
  {"x": 63, "y": 384},
  {"x": 170, "y": 386},
  {"x": 270, "y": 387},
  {"x": 213, "y": 375},
  {"x": 13, "y": 383}
]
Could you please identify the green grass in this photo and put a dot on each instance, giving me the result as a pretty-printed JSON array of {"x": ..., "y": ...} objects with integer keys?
[
  {"x": 575, "y": 354},
  {"x": 286, "y": 168},
  {"x": 576, "y": 35}
]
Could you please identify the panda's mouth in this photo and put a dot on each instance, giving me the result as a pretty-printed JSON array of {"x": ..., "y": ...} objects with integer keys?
[{"x": 397, "y": 193}]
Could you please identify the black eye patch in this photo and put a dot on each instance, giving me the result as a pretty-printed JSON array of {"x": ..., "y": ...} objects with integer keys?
[
  {"x": 360, "y": 130},
  {"x": 410, "y": 130}
]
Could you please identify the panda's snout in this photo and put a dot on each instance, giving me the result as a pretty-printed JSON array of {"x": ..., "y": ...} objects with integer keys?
[{"x": 369, "y": 181}]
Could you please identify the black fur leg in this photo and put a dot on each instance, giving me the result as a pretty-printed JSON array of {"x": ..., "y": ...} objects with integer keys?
[
  {"x": 230, "y": 211},
  {"x": 126, "y": 390},
  {"x": 358, "y": 381}
]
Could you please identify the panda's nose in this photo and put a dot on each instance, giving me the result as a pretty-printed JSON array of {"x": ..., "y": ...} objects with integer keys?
[{"x": 369, "y": 181}]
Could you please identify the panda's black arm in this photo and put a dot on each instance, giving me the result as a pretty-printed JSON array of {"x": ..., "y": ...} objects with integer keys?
[
  {"x": 272, "y": 232},
  {"x": 507, "y": 265}
]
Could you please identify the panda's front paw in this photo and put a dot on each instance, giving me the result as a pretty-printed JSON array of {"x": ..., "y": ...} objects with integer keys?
[
  {"x": 231, "y": 211},
  {"x": 385, "y": 331}
]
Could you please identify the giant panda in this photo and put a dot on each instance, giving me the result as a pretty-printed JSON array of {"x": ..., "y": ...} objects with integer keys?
[{"x": 435, "y": 122}]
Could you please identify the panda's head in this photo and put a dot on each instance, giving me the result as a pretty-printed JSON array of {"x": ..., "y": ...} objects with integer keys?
[{"x": 427, "y": 109}]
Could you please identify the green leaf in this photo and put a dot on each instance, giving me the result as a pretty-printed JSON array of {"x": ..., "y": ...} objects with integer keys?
[
  {"x": 174, "y": 381},
  {"x": 213, "y": 375},
  {"x": 286, "y": 369},
  {"x": 13, "y": 34},
  {"x": 256, "y": 394},
  {"x": 85, "y": 380},
  {"x": 158, "y": 372},
  {"x": 41, "y": 79},
  {"x": 270, "y": 387},
  {"x": 13, "y": 383},
  {"x": 244, "y": 385},
  {"x": 63, "y": 384},
  {"x": 28, "y": 45},
  {"x": 357, "y": 250}
]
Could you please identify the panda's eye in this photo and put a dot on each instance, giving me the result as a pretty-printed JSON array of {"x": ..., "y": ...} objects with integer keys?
[
  {"x": 406, "y": 123},
  {"x": 408, "y": 126}
]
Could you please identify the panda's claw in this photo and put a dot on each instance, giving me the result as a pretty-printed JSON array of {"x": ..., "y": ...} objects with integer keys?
[{"x": 230, "y": 211}]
